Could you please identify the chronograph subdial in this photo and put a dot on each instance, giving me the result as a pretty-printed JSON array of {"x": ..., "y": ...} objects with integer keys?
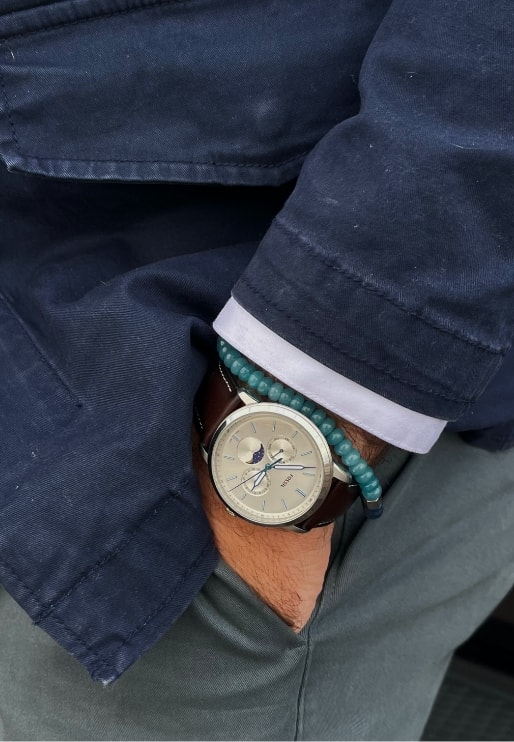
[
  {"x": 255, "y": 483},
  {"x": 282, "y": 448}
]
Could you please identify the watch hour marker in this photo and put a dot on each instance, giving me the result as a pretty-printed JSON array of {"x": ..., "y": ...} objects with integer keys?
[
  {"x": 300, "y": 492},
  {"x": 231, "y": 479},
  {"x": 274, "y": 425},
  {"x": 263, "y": 505},
  {"x": 284, "y": 504},
  {"x": 230, "y": 458},
  {"x": 294, "y": 434},
  {"x": 235, "y": 438},
  {"x": 253, "y": 427},
  {"x": 305, "y": 453},
  {"x": 308, "y": 474}
]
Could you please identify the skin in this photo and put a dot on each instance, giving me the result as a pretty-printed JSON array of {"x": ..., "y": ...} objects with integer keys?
[{"x": 285, "y": 569}]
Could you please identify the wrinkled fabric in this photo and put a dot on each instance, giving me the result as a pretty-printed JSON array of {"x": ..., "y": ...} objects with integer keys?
[{"x": 391, "y": 261}]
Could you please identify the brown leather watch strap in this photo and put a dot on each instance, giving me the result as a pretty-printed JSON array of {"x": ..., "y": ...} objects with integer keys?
[
  {"x": 337, "y": 502},
  {"x": 216, "y": 399}
]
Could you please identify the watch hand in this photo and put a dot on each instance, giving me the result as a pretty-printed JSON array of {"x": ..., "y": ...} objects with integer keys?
[
  {"x": 277, "y": 453},
  {"x": 259, "y": 479},
  {"x": 261, "y": 472},
  {"x": 247, "y": 480},
  {"x": 292, "y": 467}
]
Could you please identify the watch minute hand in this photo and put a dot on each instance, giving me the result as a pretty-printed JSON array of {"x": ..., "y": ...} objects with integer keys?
[{"x": 293, "y": 467}]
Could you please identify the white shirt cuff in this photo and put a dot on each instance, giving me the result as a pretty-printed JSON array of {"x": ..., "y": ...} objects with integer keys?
[{"x": 387, "y": 420}]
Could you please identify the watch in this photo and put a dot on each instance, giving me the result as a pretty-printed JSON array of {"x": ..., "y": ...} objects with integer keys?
[{"x": 268, "y": 463}]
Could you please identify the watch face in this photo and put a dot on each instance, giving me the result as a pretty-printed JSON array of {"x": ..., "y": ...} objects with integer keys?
[{"x": 270, "y": 464}]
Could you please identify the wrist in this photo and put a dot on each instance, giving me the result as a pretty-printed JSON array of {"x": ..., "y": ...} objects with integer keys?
[
  {"x": 285, "y": 569},
  {"x": 371, "y": 448},
  {"x": 263, "y": 387}
]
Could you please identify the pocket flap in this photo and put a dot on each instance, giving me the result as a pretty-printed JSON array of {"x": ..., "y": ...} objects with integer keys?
[{"x": 212, "y": 91}]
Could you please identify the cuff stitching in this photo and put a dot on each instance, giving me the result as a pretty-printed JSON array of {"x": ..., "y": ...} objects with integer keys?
[
  {"x": 379, "y": 292},
  {"x": 244, "y": 279}
]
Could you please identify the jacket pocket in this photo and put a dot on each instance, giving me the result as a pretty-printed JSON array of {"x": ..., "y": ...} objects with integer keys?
[{"x": 176, "y": 90}]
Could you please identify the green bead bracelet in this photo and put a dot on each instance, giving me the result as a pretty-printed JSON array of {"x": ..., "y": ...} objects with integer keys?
[{"x": 362, "y": 473}]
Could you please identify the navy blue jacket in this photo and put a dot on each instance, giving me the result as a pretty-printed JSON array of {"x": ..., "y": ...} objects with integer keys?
[{"x": 151, "y": 151}]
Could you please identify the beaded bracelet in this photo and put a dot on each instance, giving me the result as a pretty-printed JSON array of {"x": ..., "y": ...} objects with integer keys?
[{"x": 360, "y": 470}]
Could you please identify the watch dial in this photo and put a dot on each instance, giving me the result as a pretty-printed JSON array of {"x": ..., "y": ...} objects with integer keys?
[{"x": 270, "y": 464}]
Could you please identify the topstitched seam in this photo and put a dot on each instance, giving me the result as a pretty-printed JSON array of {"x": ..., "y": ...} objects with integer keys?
[
  {"x": 354, "y": 356},
  {"x": 87, "y": 19},
  {"x": 54, "y": 370},
  {"x": 158, "y": 609},
  {"x": 149, "y": 5},
  {"x": 106, "y": 558},
  {"x": 248, "y": 165},
  {"x": 58, "y": 621},
  {"x": 375, "y": 290},
  {"x": 7, "y": 106},
  {"x": 96, "y": 668}
]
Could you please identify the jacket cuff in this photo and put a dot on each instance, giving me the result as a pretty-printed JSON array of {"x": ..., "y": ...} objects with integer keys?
[{"x": 381, "y": 345}]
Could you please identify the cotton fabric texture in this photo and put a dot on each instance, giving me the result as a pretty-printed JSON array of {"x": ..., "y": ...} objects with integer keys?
[{"x": 344, "y": 168}]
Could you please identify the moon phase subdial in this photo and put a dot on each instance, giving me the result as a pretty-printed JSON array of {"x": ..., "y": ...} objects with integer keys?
[
  {"x": 257, "y": 485},
  {"x": 281, "y": 448},
  {"x": 250, "y": 450}
]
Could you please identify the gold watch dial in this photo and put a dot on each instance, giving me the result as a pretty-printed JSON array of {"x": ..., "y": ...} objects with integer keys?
[{"x": 270, "y": 464}]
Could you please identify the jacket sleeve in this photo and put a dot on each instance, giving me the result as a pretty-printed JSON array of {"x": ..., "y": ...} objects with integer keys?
[{"x": 391, "y": 262}]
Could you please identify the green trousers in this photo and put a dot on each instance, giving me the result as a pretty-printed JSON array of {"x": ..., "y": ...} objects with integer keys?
[{"x": 400, "y": 595}]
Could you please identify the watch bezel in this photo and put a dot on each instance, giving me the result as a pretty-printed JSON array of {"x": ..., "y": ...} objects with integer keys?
[{"x": 292, "y": 415}]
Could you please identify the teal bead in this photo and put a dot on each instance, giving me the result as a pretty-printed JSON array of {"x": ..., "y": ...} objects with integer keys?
[
  {"x": 286, "y": 396},
  {"x": 276, "y": 390},
  {"x": 374, "y": 494},
  {"x": 308, "y": 408},
  {"x": 237, "y": 366},
  {"x": 231, "y": 356},
  {"x": 264, "y": 386},
  {"x": 352, "y": 458},
  {"x": 358, "y": 468},
  {"x": 370, "y": 486},
  {"x": 365, "y": 477},
  {"x": 297, "y": 402},
  {"x": 336, "y": 436},
  {"x": 245, "y": 372},
  {"x": 254, "y": 379},
  {"x": 327, "y": 426},
  {"x": 221, "y": 345},
  {"x": 318, "y": 416},
  {"x": 342, "y": 449}
]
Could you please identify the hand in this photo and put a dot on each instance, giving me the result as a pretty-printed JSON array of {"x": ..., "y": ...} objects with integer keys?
[{"x": 285, "y": 569}]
